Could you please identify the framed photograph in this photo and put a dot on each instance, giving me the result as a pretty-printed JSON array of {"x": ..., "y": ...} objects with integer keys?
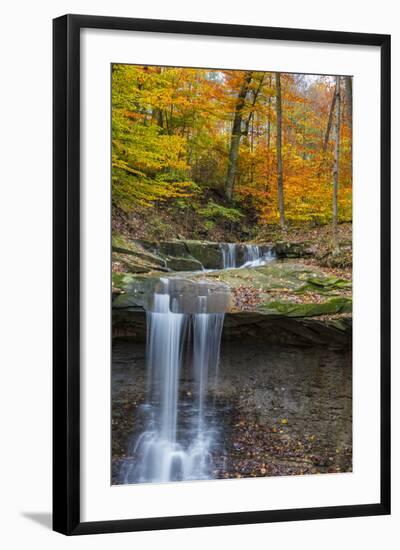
[{"x": 221, "y": 274}]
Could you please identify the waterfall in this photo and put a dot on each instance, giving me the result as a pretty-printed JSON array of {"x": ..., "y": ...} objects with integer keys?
[
  {"x": 229, "y": 255},
  {"x": 253, "y": 255},
  {"x": 177, "y": 440},
  {"x": 178, "y": 427}
]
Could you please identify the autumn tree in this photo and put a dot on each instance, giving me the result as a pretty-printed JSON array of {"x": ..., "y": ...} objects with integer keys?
[
  {"x": 336, "y": 170},
  {"x": 348, "y": 83},
  {"x": 281, "y": 202},
  {"x": 236, "y": 133},
  {"x": 190, "y": 140}
]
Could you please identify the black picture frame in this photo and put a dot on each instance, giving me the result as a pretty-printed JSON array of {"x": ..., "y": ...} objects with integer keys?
[{"x": 66, "y": 272}]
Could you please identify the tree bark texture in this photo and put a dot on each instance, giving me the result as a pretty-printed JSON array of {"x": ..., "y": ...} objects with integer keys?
[
  {"x": 281, "y": 201},
  {"x": 236, "y": 134},
  {"x": 336, "y": 170}
]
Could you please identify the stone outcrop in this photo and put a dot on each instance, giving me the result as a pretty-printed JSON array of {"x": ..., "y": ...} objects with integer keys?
[
  {"x": 286, "y": 249},
  {"x": 139, "y": 256},
  {"x": 282, "y": 300}
]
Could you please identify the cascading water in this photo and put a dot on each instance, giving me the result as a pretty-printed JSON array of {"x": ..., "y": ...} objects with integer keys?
[
  {"x": 178, "y": 436},
  {"x": 229, "y": 255},
  {"x": 253, "y": 255},
  {"x": 184, "y": 326}
]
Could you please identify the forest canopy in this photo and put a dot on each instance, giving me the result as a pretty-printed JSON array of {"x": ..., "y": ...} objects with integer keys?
[{"x": 229, "y": 149}]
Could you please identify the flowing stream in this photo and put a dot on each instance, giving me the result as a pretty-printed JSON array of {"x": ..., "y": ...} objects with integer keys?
[
  {"x": 247, "y": 255},
  {"x": 184, "y": 326},
  {"x": 179, "y": 430}
]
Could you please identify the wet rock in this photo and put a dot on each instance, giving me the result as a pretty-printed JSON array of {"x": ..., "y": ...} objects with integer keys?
[
  {"x": 130, "y": 264},
  {"x": 286, "y": 289},
  {"x": 186, "y": 296},
  {"x": 208, "y": 253},
  {"x": 130, "y": 320},
  {"x": 176, "y": 249},
  {"x": 183, "y": 264},
  {"x": 306, "y": 332},
  {"x": 132, "y": 257},
  {"x": 136, "y": 290},
  {"x": 276, "y": 290},
  {"x": 149, "y": 258}
]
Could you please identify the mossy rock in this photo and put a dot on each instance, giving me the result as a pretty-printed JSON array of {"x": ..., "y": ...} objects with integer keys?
[
  {"x": 290, "y": 309},
  {"x": 141, "y": 260},
  {"x": 344, "y": 258},
  {"x": 118, "y": 280},
  {"x": 286, "y": 249},
  {"x": 209, "y": 254},
  {"x": 183, "y": 264},
  {"x": 147, "y": 245},
  {"x": 176, "y": 249},
  {"x": 137, "y": 290},
  {"x": 129, "y": 263},
  {"x": 151, "y": 259},
  {"x": 274, "y": 275},
  {"x": 326, "y": 285},
  {"x": 279, "y": 288}
]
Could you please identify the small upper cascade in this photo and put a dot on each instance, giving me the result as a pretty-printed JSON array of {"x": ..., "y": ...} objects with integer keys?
[
  {"x": 252, "y": 254},
  {"x": 229, "y": 255},
  {"x": 245, "y": 255},
  {"x": 255, "y": 255}
]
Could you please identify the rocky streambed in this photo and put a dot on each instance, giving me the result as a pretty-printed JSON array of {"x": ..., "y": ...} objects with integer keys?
[
  {"x": 139, "y": 256},
  {"x": 282, "y": 401},
  {"x": 281, "y": 410}
]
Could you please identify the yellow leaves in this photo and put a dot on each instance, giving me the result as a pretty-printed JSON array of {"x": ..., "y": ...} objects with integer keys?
[
  {"x": 171, "y": 125},
  {"x": 284, "y": 420}
]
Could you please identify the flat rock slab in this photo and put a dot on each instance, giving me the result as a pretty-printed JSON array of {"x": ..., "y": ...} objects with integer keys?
[
  {"x": 279, "y": 289},
  {"x": 285, "y": 289}
]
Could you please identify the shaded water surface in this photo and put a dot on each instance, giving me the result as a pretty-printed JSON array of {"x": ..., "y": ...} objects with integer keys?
[{"x": 274, "y": 411}]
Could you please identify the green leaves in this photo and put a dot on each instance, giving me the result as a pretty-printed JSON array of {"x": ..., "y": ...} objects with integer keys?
[
  {"x": 214, "y": 210},
  {"x": 148, "y": 165},
  {"x": 171, "y": 130}
]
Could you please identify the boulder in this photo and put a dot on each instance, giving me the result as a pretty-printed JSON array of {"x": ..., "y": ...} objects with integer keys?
[
  {"x": 208, "y": 253},
  {"x": 183, "y": 264},
  {"x": 132, "y": 264},
  {"x": 286, "y": 249},
  {"x": 134, "y": 258},
  {"x": 176, "y": 249}
]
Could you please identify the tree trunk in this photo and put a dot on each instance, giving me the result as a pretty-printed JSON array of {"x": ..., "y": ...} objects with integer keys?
[
  {"x": 281, "y": 202},
  {"x": 336, "y": 159},
  {"x": 348, "y": 86},
  {"x": 330, "y": 120},
  {"x": 236, "y": 134},
  {"x": 268, "y": 134},
  {"x": 157, "y": 116},
  {"x": 327, "y": 132}
]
